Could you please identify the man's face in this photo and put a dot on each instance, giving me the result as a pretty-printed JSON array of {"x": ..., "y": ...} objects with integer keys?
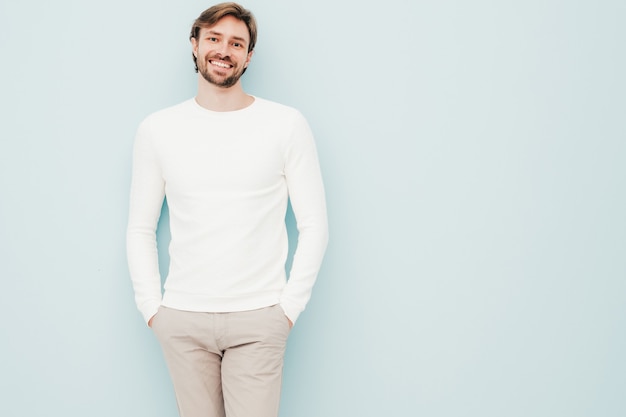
[{"x": 222, "y": 51}]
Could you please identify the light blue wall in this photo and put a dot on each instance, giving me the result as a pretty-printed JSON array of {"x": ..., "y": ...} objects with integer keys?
[{"x": 475, "y": 161}]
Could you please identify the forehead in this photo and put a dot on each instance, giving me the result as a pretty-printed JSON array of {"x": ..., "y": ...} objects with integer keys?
[{"x": 228, "y": 26}]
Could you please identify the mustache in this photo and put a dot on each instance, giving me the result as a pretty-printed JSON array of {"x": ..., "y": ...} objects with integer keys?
[{"x": 220, "y": 57}]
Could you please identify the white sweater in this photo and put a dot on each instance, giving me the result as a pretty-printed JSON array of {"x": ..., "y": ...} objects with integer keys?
[{"x": 227, "y": 177}]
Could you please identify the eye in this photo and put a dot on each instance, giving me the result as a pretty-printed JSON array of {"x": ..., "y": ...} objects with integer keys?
[
  {"x": 212, "y": 39},
  {"x": 237, "y": 45}
]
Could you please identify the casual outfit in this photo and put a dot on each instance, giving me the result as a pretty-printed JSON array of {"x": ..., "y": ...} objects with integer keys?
[{"x": 227, "y": 177}]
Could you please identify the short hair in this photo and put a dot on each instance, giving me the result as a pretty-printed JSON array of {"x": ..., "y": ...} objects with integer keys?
[{"x": 213, "y": 14}]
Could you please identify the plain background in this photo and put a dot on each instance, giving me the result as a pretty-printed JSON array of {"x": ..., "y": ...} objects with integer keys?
[{"x": 474, "y": 159}]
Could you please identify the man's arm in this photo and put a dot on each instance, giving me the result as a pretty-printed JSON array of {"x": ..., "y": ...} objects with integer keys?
[
  {"x": 306, "y": 193},
  {"x": 146, "y": 199}
]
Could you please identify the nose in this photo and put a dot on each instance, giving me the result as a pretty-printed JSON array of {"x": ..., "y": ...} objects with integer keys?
[{"x": 222, "y": 49}]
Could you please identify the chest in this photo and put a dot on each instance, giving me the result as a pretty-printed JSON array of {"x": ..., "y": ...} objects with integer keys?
[{"x": 233, "y": 159}]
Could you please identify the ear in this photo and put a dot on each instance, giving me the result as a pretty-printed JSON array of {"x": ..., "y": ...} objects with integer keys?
[
  {"x": 194, "y": 47},
  {"x": 248, "y": 58}
]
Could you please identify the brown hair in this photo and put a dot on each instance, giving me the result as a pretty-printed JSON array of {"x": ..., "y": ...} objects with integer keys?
[{"x": 213, "y": 14}]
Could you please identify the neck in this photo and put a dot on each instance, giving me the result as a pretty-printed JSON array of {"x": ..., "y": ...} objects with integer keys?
[{"x": 215, "y": 98}]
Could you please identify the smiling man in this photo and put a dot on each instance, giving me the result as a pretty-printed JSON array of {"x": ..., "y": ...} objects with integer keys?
[
  {"x": 227, "y": 162},
  {"x": 219, "y": 68}
]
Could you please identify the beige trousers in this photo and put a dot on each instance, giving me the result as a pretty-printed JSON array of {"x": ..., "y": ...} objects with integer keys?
[{"x": 224, "y": 364}]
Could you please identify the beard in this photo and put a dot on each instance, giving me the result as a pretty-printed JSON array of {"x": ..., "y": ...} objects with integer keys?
[{"x": 204, "y": 68}]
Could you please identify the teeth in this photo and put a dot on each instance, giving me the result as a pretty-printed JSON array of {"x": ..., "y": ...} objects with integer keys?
[{"x": 220, "y": 64}]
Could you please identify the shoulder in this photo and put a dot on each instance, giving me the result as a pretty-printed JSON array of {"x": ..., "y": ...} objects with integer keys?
[
  {"x": 170, "y": 114},
  {"x": 280, "y": 117},
  {"x": 277, "y": 109}
]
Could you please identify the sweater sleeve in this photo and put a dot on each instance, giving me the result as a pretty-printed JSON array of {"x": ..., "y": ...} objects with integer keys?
[
  {"x": 306, "y": 193},
  {"x": 146, "y": 199}
]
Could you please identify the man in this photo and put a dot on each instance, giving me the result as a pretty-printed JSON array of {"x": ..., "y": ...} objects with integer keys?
[{"x": 227, "y": 163}]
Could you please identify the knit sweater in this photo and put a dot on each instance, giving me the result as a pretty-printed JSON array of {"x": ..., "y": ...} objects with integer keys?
[{"x": 227, "y": 178}]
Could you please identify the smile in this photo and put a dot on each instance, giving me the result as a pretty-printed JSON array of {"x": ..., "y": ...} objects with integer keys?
[{"x": 220, "y": 64}]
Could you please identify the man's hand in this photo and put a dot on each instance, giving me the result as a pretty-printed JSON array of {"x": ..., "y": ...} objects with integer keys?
[
  {"x": 150, "y": 321},
  {"x": 290, "y": 323}
]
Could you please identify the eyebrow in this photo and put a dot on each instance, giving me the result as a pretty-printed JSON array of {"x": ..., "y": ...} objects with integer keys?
[{"x": 237, "y": 38}]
